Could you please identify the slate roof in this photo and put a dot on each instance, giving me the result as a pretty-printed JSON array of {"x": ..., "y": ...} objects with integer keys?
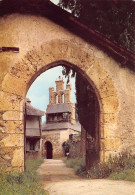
[
  {"x": 30, "y": 110},
  {"x": 58, "y": 108},
  {"x": 61, "y": 126}
]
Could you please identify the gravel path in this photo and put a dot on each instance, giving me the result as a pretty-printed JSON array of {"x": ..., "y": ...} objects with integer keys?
[{"x": 60, "y": 180}]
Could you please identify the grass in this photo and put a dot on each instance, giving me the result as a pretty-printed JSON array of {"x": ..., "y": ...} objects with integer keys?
[
  {"x": 78, "y": 164},
  {"x": 61, "y": 158},
  {"x": 26, "y": 183},
  {"x": 120, "y": 167},
  {"x": 127, "y": 174}
]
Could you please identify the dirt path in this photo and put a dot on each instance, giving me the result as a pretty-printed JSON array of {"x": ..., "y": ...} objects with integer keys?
[{"x": 60, "y": 180}]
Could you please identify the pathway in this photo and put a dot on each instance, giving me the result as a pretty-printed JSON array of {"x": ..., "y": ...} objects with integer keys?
[{"x": 60, "y": 180}]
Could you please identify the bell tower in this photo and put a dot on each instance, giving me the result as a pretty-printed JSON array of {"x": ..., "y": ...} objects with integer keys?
[{"x": 61, "y": 99}]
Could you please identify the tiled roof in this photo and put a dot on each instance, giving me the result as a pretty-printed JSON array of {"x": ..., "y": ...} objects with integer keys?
[
  {"x": 30, "y": 110},
  {"x": 58, "y": 108},
  {"x": 60, "y": 126}
]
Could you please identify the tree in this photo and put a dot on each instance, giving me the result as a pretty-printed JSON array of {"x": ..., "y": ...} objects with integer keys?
[
  {"x": 86, "y": 100},
  {"x": 112, "y": 18}
]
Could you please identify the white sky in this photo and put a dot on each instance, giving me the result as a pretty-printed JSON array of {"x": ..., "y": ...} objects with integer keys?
[
  {"x": 39, "y": 90},
  {"x": 55, "y": 1}
]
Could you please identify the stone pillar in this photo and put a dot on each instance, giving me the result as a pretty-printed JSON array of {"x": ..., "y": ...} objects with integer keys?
[
  {"x": 59, "y": 84},
  {"x": 68, "y": 86},
  {"x": 73, "y": 121},
  {"x": 52, "y": 96},
  {"x": 59, "y": 98},
  {"x": 67, "y": 94}
]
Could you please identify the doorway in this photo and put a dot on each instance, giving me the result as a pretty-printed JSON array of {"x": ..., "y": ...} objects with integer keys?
[{"x": 49, "y": 150}]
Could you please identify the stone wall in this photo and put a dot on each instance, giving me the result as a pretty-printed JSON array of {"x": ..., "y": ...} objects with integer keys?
[
  {"x": 75, "y": 146},
  {"x": 41, "y": 48},
  {"x": 57, "y": 138},
  {"x": 78, "y": 144}
]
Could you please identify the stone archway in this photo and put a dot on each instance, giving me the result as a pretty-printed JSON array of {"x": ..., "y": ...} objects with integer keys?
[{"x": 22, "y": 74}]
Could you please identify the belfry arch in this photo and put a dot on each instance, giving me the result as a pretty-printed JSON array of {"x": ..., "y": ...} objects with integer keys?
[{"x": 23, "y": 73}]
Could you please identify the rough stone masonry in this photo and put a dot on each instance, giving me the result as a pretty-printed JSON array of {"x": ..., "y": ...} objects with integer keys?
[{"x": 41, "y": 48}]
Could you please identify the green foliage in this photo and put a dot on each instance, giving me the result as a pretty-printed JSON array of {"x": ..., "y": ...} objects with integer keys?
[
  {"x": 86, "y": 101},
  {"x": 78, "y": 164},
  {"x": 22, "y": 183},
  {"x": 115, "y": 20},
  {"x": 127, "y": 174},
  {"x": 99, "y": 170},
  {"x": 86, "y": 104},
  {"x": 17, "y": 178},
  {"x": 66, "y": 146},
  {"x": 118, "y": 167}
]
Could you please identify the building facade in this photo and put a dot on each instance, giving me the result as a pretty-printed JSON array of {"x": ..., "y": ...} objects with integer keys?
[
  {"x": 60, "y": 121},
  {"x": 33, "y": 130}
]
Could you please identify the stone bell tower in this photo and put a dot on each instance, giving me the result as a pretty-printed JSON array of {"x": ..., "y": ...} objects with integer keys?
[{"x": 62, "y": 97}]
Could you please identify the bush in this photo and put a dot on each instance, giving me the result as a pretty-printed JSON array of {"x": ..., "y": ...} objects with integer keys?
[
  {"x": 99, "y": 170},
  {"x": 118, "y": 167},
  {"x": 17, "y": 178},
  {"x": 66, "y": 146}
]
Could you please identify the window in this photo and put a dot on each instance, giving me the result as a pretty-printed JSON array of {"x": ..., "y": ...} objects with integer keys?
[
  {"x": 65, "y": 115},
  {"x": 32, "y": 145}
]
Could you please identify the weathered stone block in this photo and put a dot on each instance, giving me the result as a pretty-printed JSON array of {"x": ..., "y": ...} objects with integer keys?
[
  {"x": 15, "y": 169},
  {"x": 15, "y": 126},
  {"x": 112, "y": 143},
  {"x": 18, "y": 157},
  {"x": 108, "y": 118},
  {"x": 110, "y": 104},
  {"x": 12, "y": 115},
  {"x": 6, "y": 155},
  {"x": 107, "y": 88},
  {"x": 109, "y": 130},
  {"x": 12, "y": 140},
  {"x": 14, "y": 85},
  {"x": 10, "y": 102}
]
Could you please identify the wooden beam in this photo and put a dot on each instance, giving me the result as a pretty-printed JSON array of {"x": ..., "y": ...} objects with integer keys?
[{"x": 9, "y": 49}]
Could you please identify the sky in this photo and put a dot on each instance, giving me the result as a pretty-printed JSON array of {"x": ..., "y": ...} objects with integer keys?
[{"x": 38, "y": 93}]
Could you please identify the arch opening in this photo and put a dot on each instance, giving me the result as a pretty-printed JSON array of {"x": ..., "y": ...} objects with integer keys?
[
  {"x": 92, "y": 137},
  {"x": 49, "y": 55},
  {"x": 49, "y": 150}
]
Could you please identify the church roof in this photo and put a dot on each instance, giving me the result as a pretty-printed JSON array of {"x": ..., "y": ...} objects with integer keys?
[
  {"x": 58, "y": 108},
  {"x": 61, "y": 126},
  {"x": 30, "y": 110}
]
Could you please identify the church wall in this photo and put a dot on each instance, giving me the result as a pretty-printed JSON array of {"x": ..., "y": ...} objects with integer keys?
[
  {"x": 42, "y": 45},
  {"x": 57, "y": 138}
]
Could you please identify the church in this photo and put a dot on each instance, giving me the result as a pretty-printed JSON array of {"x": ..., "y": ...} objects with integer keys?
[{"x": 60, "y": 121}]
